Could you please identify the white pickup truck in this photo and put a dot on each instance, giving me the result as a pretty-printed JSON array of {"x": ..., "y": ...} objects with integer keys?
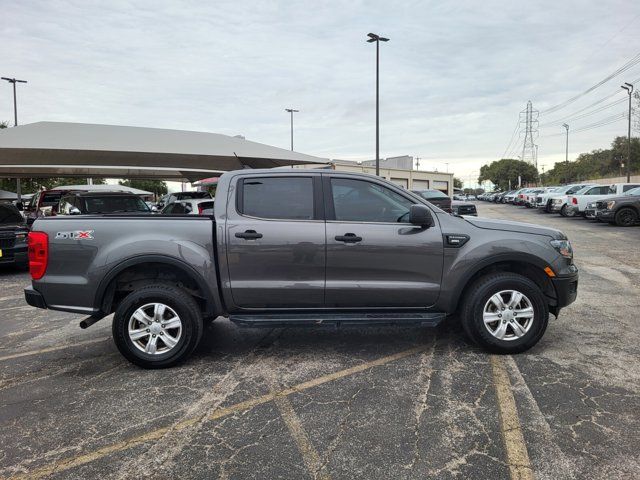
[
  {"x": 558, "y": 202},
  {"x": 577, "y": 204}
]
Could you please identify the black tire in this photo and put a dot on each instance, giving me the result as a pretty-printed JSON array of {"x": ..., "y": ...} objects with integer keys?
[
  {"x": 626, "y": 217},
  {"x": 564, "y": 211},
  {"x": 471, "y": 313},
  {"x": 184, "y": 306}
]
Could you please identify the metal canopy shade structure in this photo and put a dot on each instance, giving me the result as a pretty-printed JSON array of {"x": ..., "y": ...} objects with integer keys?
[{"x": 56, "y": 149}]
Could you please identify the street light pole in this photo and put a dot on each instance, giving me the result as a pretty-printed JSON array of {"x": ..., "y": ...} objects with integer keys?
[
  {"x": 629, "y": 88},
  {"x": 566, "y": 155},
  {"x": 15, "y": 124},
  {"x": 377, "y": 38},
  {"x": 291, "y": 111}
]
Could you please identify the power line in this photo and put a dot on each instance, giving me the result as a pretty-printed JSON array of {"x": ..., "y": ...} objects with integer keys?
[
  {"x": 513, "y": 135},
  {"x": 616, "y": 92},
  {"x": 578, "y": 117},
  {"x": 600, "y": 123},
  {"x": 631, "y": 63}
]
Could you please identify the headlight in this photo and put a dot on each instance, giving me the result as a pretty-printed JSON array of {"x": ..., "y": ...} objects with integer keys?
[
  {"x": 557, "y": 200},
  {"x": 563, "y": 247},
  {"x": 21, "y": 237},
  {"x": 610, "y": 204}
]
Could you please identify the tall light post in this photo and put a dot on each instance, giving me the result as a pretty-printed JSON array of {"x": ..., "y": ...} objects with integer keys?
[
  {"x": 377, "y": 38},
  {"x": 566, "y": 155},
  {"x": 291, "y": 111},
  {"x": 15, "y": 124},
  {"x": 629, "y": 88}
]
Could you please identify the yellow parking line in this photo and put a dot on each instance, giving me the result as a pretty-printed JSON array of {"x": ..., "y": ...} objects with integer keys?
[
  {"x": 516, "y": 448},
  {"x": 309, "y": 454},
  {"x": 71, "y": 462},
  {"x": 50, "y": 349}
]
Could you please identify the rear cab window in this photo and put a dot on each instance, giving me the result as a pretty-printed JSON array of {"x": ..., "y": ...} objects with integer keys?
[{"x": 277, "y": 198}]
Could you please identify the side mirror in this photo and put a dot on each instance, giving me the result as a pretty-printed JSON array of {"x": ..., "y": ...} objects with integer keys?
[
  {"x": 74, "y": 211},
  {"x": 420, "y": 215}
]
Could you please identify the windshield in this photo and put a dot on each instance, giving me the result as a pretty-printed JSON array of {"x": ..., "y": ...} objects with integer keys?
[
  {"x": 50, "y": 199},
  {"x": 581, "y": 190},
  {"x": 115, "y": 204},
  {"x": 9, "y": 214},
  {"x": 191, "y": 195},
  {"x": 432, "y": 195}
]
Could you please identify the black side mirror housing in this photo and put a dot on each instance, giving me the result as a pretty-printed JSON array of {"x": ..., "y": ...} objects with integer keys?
[{"x": 420, "y": 215}]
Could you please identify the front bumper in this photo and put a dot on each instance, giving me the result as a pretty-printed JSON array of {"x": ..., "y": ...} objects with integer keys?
[
  {"x": 566, "y": 288},
  {"x": 556, "y": 207},
  {"x": 606, "y": 215},
  {"x": 17, "y": 255},
  {"x": 591, "y": 213},
  {"x": 34, "y": 298}
]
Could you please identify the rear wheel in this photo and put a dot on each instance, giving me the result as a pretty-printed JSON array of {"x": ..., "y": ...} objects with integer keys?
[
  {"x": 505, "y": 313},
  {"x": 626, "y": 217},
  {"x": 157, "y": 326}
]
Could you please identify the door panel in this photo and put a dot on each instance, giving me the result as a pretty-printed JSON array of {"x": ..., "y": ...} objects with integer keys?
[
  {"x": 392, "y": 266},
  {"x": 276, "y": 263},
  {"x": 378, "y": 259}
]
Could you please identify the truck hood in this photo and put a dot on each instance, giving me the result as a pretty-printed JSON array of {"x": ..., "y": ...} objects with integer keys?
[{"x": 508, "y": 226}]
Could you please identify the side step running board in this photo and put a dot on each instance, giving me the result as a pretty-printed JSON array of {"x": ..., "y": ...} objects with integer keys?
[{"x": 337, "y": 319}]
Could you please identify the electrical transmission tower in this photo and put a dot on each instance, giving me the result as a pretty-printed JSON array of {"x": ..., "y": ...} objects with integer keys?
[{"x": 529, "y": 118}]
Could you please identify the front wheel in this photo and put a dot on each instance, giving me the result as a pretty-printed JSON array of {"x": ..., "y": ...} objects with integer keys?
[
  {"x": 626, "y": 217},
  {"x": 157, "y": 326},
  {"x": 505, "y": 313}
]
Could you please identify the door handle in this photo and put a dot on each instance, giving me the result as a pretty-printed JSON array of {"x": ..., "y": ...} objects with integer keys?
[
  {"x": 348, "y": 238},
  {"x": 249, "y": 235}
]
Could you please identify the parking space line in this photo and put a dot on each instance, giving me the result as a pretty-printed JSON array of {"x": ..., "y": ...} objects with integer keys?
[
  {"x": 515, "y": 446},
  {"x": 83, "y": 459},
  {"x": 51, "y": 349},
  {"x": 309, "y": 454}
]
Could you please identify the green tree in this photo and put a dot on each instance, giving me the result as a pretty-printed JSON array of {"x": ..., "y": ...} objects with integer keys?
[
  {"x": 506, "y": 171},
  {"x": 457, "y": 183},
  {"x": 598, "y": 163},
  {"x": 158, "y": 187}
]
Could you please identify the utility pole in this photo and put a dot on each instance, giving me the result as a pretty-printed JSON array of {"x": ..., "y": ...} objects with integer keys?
[
  {"x": 291, "y": 111},
  {"x": 566, "y": 155},
  {"x": 417, "y": 163},
  {"x": 629, "y": 88},
  {"x": 15, "y": 124},
  {"x": 377, "y": 38}
]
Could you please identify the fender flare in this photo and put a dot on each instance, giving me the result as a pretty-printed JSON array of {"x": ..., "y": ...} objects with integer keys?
[
  {"x": 520, "y": 257},
  {"x": 212, "y": 304}
]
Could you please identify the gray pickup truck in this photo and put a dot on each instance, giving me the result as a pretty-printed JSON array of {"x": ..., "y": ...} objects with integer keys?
[{"x": 300, "y": 247}]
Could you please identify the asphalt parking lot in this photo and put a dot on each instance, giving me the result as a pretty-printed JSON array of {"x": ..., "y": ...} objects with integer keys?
[{"x": 350, "y": 403}]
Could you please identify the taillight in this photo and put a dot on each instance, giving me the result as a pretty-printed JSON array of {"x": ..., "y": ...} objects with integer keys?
[
  {"x": 574, "y": 200},
  {"x": 200, "y": 209},
  {"x": 38, "y": 243}
]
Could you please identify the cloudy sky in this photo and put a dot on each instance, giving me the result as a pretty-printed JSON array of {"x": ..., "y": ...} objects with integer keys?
[{"x": 454, "y": 75}]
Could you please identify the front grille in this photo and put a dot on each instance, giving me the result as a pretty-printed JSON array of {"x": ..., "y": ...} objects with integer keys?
[
  {"x": 466, "y": 210},
  {"x": 538, "y": 199},
  {"x": 601, "y": 205},
  {"x": 7, "y": 241}
]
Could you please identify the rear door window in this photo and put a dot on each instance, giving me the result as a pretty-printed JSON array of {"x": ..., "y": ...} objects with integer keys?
[{"x": 285, "y": 198}]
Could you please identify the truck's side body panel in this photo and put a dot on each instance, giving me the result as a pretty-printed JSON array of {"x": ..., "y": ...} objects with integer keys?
[{"x": 78, "y": 264}]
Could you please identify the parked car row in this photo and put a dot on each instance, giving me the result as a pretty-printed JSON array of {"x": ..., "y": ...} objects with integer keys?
[
  {"x": 457, "y": 206},
  {"x": 617, "y": 204}
]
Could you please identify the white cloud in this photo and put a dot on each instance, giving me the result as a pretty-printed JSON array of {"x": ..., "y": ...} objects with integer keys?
[{"x": 453, "y": 77}]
